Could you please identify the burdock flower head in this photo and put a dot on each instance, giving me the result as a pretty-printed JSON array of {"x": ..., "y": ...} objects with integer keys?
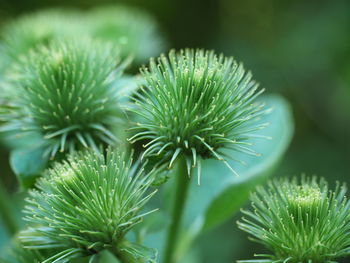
[
  {"x": 299, "y": 222},
  {"x": 194, "y": 104},
  {"x": 66, "y": 93},
  {"x": 88, "y": 204}
]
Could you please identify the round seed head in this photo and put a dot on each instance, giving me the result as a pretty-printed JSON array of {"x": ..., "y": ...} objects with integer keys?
[
  {"x": 196, "y": 103},
  {"x": 86, "y": 204},
  {"x": 67, "y": 94},
  {"x": 132, "y": 30},
  {"x": 300, "y": 221}
]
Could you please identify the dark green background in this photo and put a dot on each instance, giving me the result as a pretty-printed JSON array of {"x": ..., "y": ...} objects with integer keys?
[{"x": 300, "y": 49}]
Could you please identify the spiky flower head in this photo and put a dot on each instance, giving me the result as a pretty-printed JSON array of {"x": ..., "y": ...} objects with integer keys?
[
  {"x": 132, "y": 30},
  {"x": 87, "y": 204},
  {"x": 196, "y": 103},
  {"x": 299, "y": 221},
  {"x": 67, "y": 93},
  {"x": 29, "y": 31}
]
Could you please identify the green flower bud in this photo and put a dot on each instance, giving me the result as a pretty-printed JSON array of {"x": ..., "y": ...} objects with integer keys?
[
  {"x": 196, "y": 103},
  {"x": 67, "y": 93},
  {"x": 299, "y": 222},
  {"x": 86, "y": 205}
]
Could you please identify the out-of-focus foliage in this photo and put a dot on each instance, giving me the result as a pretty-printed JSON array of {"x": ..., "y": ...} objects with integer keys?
[
  {"x": 39, "y": 71},
  {"x": 28, "y": 32},
  {"x": 16, "y": 253},
  {"x": 298, "y": 48},
  {"x": 135, "y": 32}
]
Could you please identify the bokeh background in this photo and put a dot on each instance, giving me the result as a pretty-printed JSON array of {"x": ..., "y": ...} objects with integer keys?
[{"x": 300, "y": 49}]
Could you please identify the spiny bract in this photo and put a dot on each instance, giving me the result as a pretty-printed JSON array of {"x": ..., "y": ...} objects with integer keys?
[
  {"x": 87, "y": 204},
  {"x": 299, "y": 222},
  {"x": 196, "y": 103},
  {"x": 132, "y": 30},
  {"x": 67, "y": 93}
]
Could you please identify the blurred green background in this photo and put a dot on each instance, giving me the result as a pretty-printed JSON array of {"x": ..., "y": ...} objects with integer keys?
[{"x": 300, "y": 49}]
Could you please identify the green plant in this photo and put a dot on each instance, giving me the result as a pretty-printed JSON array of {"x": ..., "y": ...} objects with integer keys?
[
  {"x": 65, "y": 93},
  {"x": 65, "y": 114},
  {"x": 195, "y": 103},
  {"x": 88, "y": 204},
  {"x": 299, "y": 221}
]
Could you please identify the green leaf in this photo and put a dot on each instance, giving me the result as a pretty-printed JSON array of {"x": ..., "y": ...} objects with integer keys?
[
  {"x": 18, "y": 139},
  {"x": 4, "y": 235},
  {"x": 10, "y": 213},
  {"x": 27, "y": 164},
  {"x": 138, "y": 252},
  {"x": 107, "y": 257},
  {"x": 258, "y": 169},
  {"x": 221, "y": 193},
  {"x": 150, "y": 224}
]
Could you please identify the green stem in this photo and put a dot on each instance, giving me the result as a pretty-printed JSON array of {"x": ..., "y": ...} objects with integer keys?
[
  {"x": 122, "y": 256},
  {"x": 182, "y": 184},
  {"x": 126, "y": 258},
  {"x": 6, "y": 212}
]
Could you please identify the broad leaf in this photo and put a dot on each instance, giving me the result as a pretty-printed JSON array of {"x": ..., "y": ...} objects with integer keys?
[
  {"x": 15, "y": 139},
  {"x": 4, "y": 235},
  {"x": 138, "y": 252},
  {"x": 221, "y": 193},
  {"x": 106, "y": 257},
  {"x": 27, "y": 164}
]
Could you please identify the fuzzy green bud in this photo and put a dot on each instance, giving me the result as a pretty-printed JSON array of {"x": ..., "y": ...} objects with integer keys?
[
  {"x": 87, "y": 205},
  {"x": 67, "y": 93},
  {"x": 299, "y": 221},
  {"x": 195, "y": 104}
]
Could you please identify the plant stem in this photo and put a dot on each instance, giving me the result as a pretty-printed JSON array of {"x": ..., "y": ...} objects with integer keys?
[
  {"x": 182, "y": 184},
  {"x": 6, "y": 212},
  {"x": 122, "y": 256},
  {"x": 126, "y": 258}
]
